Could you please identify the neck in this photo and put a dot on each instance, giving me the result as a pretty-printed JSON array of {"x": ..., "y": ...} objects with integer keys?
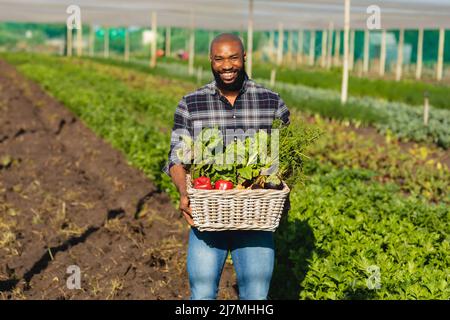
[{"x": 228, "y": 93}]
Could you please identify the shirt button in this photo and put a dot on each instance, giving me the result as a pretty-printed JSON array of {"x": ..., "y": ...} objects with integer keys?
[{"x": 234, "y": 116}]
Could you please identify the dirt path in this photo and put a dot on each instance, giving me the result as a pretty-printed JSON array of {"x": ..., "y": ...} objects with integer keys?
[{"x": 68, "y": 198}]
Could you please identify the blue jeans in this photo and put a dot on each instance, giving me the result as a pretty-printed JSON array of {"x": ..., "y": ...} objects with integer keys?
[{"x": 253, "y": 259}]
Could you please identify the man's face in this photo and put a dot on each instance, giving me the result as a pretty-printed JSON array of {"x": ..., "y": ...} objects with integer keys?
[{"x": 227, "y": 65}]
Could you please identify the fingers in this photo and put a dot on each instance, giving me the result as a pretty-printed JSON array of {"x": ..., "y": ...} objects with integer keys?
[{"x": 188, "y": 218}]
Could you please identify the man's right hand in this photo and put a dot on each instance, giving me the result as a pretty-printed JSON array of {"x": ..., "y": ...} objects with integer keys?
[{"x": 185, "y": 209}]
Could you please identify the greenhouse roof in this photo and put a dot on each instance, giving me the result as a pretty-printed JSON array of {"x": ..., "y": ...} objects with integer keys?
[{"x": 233, "y": 14}]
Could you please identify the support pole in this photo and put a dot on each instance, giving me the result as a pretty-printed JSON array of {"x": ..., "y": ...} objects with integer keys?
[
  {"x": 440, "y": 60},
  {"x": 91, "y": 40},
  {"x": 312, "y": 47},
  {"x": 337, "y": 48},
  {"x": 106, "y": 43},
  {"x": 366, "y": 51},
  {"x": 154, "y": 40},
  {"x": 300, "y": 47},
  {"x": 290, "y": 46},
  {"x": 168, "y": 42},
  {"x": 398, "y": 72},
  {"x": 80, "y": 40},
  {"x": 127, "y": 46},
  {"x": 191, "y": 46},
  {"x": 330, "y": 45},
  {"x": 383, "y": 53},
  {"x": 210, "y": 39},
  {"x": 280, "y": 44},
  {"x": 323, "y": 59},
  {"x": 250, "y": 39},
  {"x": 69, "y": 42},
  {"x": 351, "y": 60},
  {"x": 344, "y": 88},
  {"x": 271, "y": 45},
  {"x": 419, "y": 54}
]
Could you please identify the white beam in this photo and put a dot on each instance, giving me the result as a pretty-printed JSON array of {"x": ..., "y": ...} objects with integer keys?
[
  {"x": 337, "y": 48},
  {"x": 344, "y": 87},
  {"x": 250, "y": 39},
  {"x": 300, "y": 47},
  {"x": 312, "y": 47},
  {"x": 91, "y": 40},
  {"x": 351, "y": 61},
  {"x": 80, "y": 40},
  {"x": 323, "y": 59},
  {"x": 106, "y": 43},
  {"x": 289, "y": 48},
  {"x": 127, "y": 45},
  {"x": 399, "y": 69},
  {"x": 271, "y": 45},
  {"x": 330, "y": 45},
  {"x": 154, "y": 42},
  {"x": 366, "y": 51},
  {"x": 191, "y": 45},
  {"x": 280, "y": 44},
  {"x": 168, "y": 42},
  {"x": 419, "y": 54},
  {"x": 69, "y": 42},
  {"x": 383, "y": 53},
  {"x": 440, "y": 60}
]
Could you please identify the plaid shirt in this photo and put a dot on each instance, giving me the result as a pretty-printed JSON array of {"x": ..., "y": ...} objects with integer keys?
[{"x": 255, "y": 108}]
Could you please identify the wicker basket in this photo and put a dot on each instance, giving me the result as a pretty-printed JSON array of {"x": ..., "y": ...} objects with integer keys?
[{"x": 219, "y": 210}]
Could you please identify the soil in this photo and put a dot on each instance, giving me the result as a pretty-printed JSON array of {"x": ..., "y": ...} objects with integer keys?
[{"x": 69, "y": 198}]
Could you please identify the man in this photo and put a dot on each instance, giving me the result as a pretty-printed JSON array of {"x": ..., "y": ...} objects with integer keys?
[{"x": 235, "y": 104}]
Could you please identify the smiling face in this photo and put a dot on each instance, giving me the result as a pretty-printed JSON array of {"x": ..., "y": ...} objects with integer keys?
[{"x": 227, "y": 62}]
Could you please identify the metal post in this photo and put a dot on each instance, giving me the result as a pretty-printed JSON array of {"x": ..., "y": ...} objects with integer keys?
[
  {"x": 383, "y": 53},
  {"x": 280, "y": 44},
  {"x": 300, "y": 47},
  {"x": 440, "y": 60},
  {"x": 250, "y": 39},
  {"x": 366, "y": 51},
  {"x": 168, "y": 42},
  {"x": 330, "y": 45},
  {"x": 312, "y": 47},
  {"x": 337, "y": 48},
  {"x": 290, "y": 45},
  {"x": 91, "y": 41},
  {"x": 398, "y": 73},
  {"x": 127, "y": 45},
  {"x": 80, "y": 40},
  {"x": 69, "y": 42},
  {"x": 154, "y": 40},
  {"x": 191, "y": 46},
  {"x": 106, "y": 43},
  {"x": 323, "y": 59},
  {"x": 419, "y": 54},
  {"x": 344, "y": 88},
  {"x": 351, "y": 61}
]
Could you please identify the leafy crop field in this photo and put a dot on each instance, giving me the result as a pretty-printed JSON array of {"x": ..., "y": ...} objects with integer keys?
[
  {"x": 406, "y": 91},
  {"x": 396, "y": 118},
  {"x": 370, "y": 202}
]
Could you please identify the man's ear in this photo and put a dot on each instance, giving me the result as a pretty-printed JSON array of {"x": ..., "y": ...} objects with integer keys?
[{"x": 245, "y": 56}]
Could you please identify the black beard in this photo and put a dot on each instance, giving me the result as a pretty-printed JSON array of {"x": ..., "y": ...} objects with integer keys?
[{"x": 236, "y": 85}]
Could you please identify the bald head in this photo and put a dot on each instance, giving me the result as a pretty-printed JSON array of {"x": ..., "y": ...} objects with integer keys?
[{"x": 226, "y": 38}]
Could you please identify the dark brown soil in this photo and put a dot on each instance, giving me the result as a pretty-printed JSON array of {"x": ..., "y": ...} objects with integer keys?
[{"x": 68, "y": 198}]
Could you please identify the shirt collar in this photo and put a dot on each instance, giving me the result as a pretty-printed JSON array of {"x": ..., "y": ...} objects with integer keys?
[{"x": 215, "y": 90}]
